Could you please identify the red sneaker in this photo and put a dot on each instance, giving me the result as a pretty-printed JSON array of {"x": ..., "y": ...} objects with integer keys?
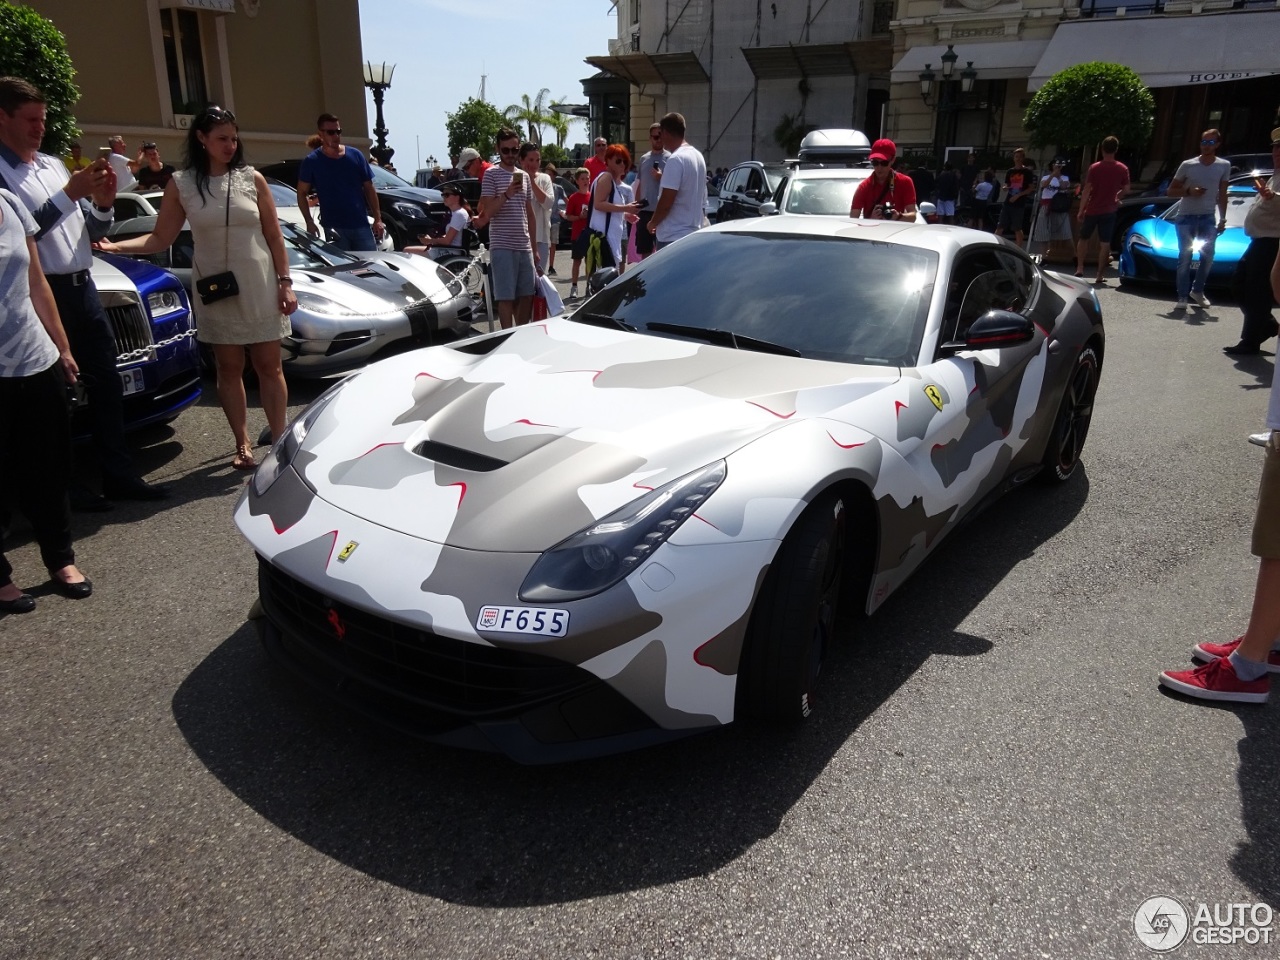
[
  {"x": 1204, "y": 652},
  {"x": 1217, "y": 680}
]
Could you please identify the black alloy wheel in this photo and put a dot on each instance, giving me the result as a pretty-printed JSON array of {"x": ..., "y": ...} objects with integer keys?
[
  {"x": 793, "y": 623},
  {"x": 1071, "y": 425}
]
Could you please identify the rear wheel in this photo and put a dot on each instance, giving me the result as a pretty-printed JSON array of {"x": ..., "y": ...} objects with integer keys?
[
  {"x": 1071, "y": 425},
  {"x": 793, "y": 623}
]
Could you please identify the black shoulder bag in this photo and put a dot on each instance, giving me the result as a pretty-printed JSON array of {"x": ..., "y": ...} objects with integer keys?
[{"x": 219, "y": 286}]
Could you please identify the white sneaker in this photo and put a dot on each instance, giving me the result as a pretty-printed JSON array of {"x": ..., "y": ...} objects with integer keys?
[
  {"x": 1260, "y": 439},
  {"x": 1180, "y": 305},
  {"x": 573, "y": 292},
  {"x": 1200, "y": 299}
]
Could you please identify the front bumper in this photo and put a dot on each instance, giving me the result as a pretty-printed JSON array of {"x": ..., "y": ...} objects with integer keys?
[{"x": 533, "y": 708}]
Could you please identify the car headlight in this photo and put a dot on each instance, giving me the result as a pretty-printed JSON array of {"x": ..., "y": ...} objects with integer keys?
[
  {"x": 286, "y": 448},
  {"x": 164, "y": 302},
  {"x": 410, "y": 211},
  {"x": 597, "y": 557},
  {"x": 1138, "y": 240},
  {"x": 314, "y": 303}
]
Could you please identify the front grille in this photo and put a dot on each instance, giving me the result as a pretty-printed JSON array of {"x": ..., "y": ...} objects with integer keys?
[
  {"x": 131, "y": 328},
  {"x": 465, "y": 679}
]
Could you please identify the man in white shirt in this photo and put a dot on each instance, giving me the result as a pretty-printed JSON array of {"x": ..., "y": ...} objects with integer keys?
[
  {"x": 59, "y": 203},
  {"x": 684, "y": 186},
  {"x": 125, "y": 169}
]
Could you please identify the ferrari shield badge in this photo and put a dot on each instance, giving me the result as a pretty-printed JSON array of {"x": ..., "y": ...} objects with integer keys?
[
  {"x": 350, "y": 548},
  {"x": 934, "y": 394}
]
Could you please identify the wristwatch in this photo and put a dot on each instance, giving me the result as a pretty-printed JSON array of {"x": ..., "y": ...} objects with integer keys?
[{"x": 102, "y": 209}]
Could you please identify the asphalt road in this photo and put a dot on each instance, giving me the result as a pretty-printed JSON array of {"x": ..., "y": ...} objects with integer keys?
[{"x": 992, "y": 773}]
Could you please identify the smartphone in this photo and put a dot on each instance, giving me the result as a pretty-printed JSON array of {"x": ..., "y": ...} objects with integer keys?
[
  {"x": 518, "y": 177},
  {"x": 105, "y": 152},
  {"x": 642, "y": 203}
]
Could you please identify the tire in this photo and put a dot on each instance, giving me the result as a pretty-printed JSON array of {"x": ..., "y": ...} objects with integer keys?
[
  {"x": 793, "y": 623},
  {"x": 458, "y": 266},
  {"x": 1071, "y": 423}
]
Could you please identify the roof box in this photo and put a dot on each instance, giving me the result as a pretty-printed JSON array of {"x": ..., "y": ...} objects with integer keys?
[{"x": 835, "y": 146}]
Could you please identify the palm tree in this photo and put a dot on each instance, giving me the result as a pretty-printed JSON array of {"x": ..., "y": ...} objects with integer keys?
[
  {"x": 532, "y": 112},
  {"x": 560, "y": 123}
]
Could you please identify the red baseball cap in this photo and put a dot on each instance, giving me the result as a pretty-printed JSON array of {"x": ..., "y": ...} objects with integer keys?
[{"x": 884, "y": 150}]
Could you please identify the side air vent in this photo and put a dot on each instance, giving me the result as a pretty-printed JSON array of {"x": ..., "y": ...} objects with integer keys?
[{"x": 451, "y": 456}]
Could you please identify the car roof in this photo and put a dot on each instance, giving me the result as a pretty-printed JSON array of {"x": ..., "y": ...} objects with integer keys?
[
  {"x": 830, "y": 173},
  {"x": 942, "y": 239}
]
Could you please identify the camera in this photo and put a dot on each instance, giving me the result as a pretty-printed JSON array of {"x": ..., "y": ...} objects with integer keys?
[{"x": 886, "y": 211}]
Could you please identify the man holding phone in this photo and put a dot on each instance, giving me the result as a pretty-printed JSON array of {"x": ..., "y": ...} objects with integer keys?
[
  {"x": 649, "y": 187},
  {"x": 72, "y": 210},
  {"x": 505, "y": 207},
  {"x": 1201, "y": 182}
]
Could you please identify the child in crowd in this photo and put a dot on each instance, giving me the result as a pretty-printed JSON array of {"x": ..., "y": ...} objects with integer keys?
[{"x": 575, "y": 211}]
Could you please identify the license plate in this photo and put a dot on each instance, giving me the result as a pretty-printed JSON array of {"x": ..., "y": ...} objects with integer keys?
[
  {"x": 539, "y": 621},
  {"x": 133, "y": 381}
]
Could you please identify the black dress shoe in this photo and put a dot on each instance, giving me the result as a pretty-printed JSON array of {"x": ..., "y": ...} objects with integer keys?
[
  {"x": 23, "y": 604},
  {"x": 72, "y": 591},
  {"x": 1242, "y": 349},
  {"x": 84, "y": 500},
  {"x": 133, "y": 488}
]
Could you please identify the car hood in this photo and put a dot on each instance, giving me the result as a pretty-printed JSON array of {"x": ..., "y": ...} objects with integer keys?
[
  {"x": 382, "y": 282},
  {"x": 118, "y": 274},
  {"x": 517, "y": 447},
  {"x": 417, "y": 195}
]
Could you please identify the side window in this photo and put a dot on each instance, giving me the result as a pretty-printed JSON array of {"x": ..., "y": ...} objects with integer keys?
[
  {"x": 127, "y": 209},
  {"x": 1023, "y": 275},
  {"x": 733, "y": 183},
  {"x": 754, "y": 183}
]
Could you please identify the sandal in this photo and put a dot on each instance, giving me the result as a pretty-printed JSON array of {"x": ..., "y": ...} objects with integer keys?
[{"x": 244, "y": 459}]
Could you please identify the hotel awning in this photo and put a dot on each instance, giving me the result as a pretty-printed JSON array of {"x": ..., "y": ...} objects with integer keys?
[
  {"x": 646, "y": 68},
  {"x": 790, "y": 60},
  {"x": 994, "y": 60},
  {"x": 1169, "y": 51}
]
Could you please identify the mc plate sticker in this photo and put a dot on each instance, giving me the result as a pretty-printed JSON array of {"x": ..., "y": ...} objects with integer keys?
[{"x": 540, "y": 621}]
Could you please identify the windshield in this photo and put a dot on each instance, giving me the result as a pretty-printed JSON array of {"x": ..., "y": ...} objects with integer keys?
[
  {"x": 383, "y": 179},
  {"x": 307, "y": 252},
  {"x": 1238, "y": 204},
  {"x": 826, "y": 196},
  {"x": 828, "y": 298},
  {"x": 282, "y": 195}
]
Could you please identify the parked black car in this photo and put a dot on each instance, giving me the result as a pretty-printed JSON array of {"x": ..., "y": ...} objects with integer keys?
[
  {"x": 407, "y": 211},
  {"x": 746, "y": 187}
]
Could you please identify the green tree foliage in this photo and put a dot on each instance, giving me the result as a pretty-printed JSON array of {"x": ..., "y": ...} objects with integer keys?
[
  {"x": 1081, "y": 105},
  {"x": 532, "y": 113},
  {"x": 556, "y": 154},
  {"x": 32, "y": 48},
  {"x": 791, "y": 129},
  {"x": 474, "y": 124},
  {"x": 560, "y": 123}
]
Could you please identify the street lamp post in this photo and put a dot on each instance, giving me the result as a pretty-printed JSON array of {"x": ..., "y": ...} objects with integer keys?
[
  {"x": 377, "y": 77},
  {"x": 947, "y": 101}
]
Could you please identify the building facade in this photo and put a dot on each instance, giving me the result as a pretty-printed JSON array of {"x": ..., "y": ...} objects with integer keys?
[
  {"x": 147, "y": 66},
  {"x": 743, "y": 71}
]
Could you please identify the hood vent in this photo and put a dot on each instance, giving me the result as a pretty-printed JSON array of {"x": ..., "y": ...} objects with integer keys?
[
  {"x": 457, "y": 457},
  {"x": 482, "y": 346}
]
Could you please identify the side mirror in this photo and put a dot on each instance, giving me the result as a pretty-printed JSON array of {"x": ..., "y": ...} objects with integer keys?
[
  {"x": 994, "y": 329},
  {"x": 768, "y": 208},
  {"x": 601, "y": 279}
]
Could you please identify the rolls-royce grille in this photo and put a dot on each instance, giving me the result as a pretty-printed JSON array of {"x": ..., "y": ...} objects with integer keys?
[
  {"x": 462, "y": 678},
  {"x": 131, "y": 328}
]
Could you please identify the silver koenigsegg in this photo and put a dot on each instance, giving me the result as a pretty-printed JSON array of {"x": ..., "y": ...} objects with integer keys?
[{"x": 639, "y": 520}]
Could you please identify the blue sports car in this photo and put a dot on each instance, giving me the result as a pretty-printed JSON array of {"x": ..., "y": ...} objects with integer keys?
[{"x": 1150, "y": 251}]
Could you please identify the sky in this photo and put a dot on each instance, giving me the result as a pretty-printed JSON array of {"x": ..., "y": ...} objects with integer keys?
[{"x": 442, "y": 47}]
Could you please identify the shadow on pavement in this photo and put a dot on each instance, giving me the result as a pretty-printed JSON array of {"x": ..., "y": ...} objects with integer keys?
[
  {"x": 1257, "y": 859},
  {"x": 477, "y": 829}
]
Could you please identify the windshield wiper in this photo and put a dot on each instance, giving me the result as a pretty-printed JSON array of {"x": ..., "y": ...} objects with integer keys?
[
  {"x": 724, "y": 338},
  {"x": 602, "y": 320}
]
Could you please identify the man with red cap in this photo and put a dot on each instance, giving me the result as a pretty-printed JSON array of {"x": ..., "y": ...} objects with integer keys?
[{"x": 886, "y": 194}]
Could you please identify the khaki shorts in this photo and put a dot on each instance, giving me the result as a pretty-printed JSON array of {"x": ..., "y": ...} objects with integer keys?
[{"x": 1266, "y": 523}]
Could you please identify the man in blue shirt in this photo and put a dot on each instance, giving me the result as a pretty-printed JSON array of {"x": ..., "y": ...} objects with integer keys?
[{"x": 342, "y": 179}]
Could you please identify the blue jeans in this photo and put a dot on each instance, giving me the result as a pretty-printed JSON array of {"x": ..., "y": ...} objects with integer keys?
[
  {"x": 1190, "y": 226},
  {"x": 354, "y": 238}
]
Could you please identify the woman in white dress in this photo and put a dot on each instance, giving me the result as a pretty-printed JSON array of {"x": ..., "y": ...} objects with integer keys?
[
  {"x": 1051, "y": 225},
  {"x": 235, "y": 229}
]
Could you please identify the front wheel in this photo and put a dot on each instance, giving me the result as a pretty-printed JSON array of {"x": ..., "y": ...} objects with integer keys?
[
  {"x": 793, "y": 623},
  {"x": 1071, "y": 425}
]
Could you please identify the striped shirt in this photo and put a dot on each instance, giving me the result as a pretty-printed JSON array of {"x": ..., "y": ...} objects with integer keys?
[{"x": 509, "y": 228}]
